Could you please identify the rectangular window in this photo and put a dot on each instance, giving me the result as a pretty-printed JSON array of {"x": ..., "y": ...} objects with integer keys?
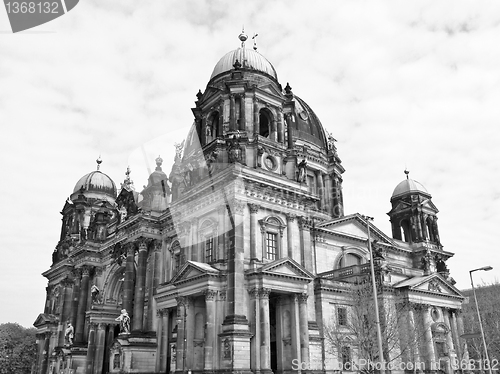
[
  {"x": 271, "y": 245},
  {"x": 345, "y": 355},
  {"x": 342, "y": 316},
  {"x": 209, "y": 250}
]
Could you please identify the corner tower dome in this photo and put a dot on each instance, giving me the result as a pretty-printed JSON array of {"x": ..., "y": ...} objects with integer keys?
[
  {"x": 409, "y": 186},
  {"x": 96, "y": 185}
]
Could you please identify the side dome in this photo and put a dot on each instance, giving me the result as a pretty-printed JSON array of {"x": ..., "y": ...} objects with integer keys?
[
  {"x": 409, "y": 186},
  {"x": 307, "y": 125},
  {"x": 248, "y": 58},
  {"x": 96, "y": 183}
]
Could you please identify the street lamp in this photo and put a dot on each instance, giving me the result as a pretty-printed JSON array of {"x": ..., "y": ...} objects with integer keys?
[
  {"x": 485, "y": 268},
  {"x": 375, "y": 298}
]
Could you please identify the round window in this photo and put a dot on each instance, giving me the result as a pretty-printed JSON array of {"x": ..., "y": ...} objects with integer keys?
[{"x": 270, "y": 163}]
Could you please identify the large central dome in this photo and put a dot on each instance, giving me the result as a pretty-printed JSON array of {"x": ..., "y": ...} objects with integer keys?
[{"x": 248, "y": 58}]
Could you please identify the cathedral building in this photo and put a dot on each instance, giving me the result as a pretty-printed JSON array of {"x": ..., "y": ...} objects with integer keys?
[{"x": 243, "y": 259}]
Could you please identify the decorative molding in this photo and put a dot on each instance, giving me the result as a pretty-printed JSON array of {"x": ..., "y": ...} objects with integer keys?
[
  {"x": 254, "y": 208},
  {"x": 302, "y": 298},
  {"x": 210, "y": 295},
  {"x": 264, "y": 293}
]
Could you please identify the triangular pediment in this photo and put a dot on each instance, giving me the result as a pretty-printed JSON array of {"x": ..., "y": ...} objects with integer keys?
[
  {"x": 270, "y": 89},
  {"x": 356, "y": 227},
  {"x": 286, "y": 267},
  {"x": 44, "y": 319},
  {"x": 193, "y": 269},
  {"x": 433, "y": 283}
]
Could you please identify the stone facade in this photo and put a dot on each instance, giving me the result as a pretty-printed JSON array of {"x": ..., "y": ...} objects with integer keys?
[{"x": 242, "y": 259}]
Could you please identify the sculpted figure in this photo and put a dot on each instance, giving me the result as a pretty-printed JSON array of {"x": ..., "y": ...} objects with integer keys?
[
  {"x": 69, "y": 334},
  {"x": 124, "y": 319},
  {"x": 302, "y": 177}
]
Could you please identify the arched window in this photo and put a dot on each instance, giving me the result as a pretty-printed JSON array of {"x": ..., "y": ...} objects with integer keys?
[
  {"x": 352, "y": 256},
  {"x": 405, "y": 225},
  {"x": 212, "y": 127},
  {"x": 265, "y": 121}
]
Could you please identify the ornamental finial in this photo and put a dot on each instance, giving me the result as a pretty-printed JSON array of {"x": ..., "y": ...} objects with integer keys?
[
  {"x": 99, "y": 162},
  {"x": 407, "y": 172},
  {"x": 159, "y": 161},
  {"x": 243, "y": 37}
]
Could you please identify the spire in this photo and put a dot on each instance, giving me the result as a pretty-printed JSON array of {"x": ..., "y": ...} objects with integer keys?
[{"x": 99, "y": 162}]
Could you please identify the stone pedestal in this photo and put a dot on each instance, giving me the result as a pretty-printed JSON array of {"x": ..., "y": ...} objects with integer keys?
[{"x": 133, "y": 353}]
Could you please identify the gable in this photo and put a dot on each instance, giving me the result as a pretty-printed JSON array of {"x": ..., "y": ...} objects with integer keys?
[
  {"x": 433, "y": 283},
  {"x": 356, "y": 227},
  {"x": 192, "y": 270},
  {"x": 44, "y": 319},
  {"x": 436, "y": 285},
  {"x": 286, "y": 267},
  {"x": 270, "y": 89}
]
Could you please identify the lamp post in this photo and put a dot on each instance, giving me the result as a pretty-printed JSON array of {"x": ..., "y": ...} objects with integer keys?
[
  {"x": 485, "y": 268},
  {"x": 375, "y": 298}
]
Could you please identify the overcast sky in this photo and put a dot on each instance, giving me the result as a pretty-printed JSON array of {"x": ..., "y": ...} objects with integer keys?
[{"x": 399, "y": 84}]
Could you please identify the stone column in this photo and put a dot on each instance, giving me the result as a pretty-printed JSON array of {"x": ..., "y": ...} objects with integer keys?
[
  {"x": 45, "y": 353},
  {"x": 289, "y": 130},
  {"x": 254, "y": 208},
  {"x": 255, "y": 342},
  {"x": 156, "y": 266},
  {"x": 77, "y": 273},
  {"x": 413, "y": 341},
  {"x": 304, "y": 329},
  {"x": 328, "y": 193},
  {"x": 99, "y": 349},
  {"x": 236, "y": 272},
  {"x": 128, "y": 284},
  {"x": 89, "y": 362},
  {"x": 449, "y": 336},
  {"x": 232, "y": 114},
  {"x": 210, "y": 335},
  {"x": 189, "y": 330},
  {"x": 460, "y": 330},
  {"x": 82, "y": 304},
  {"x": 265, "y": 330},
  {"x": 429, "y": 343},
  {"x": 243, "y": 117},
  {"x": 181, "y": 333},
  {"x": 280, "y": 129},
  {"x": 321, "y": 190},
  {"x": 195, "y": 245},
  {"x": 165, "y": 333},
  {"x": 109, "y": 342},
  {"x": 66, "y": 308},
  {"x": 290, "y": 218},
  {"x": 281, "y": 125},
  {"x": 295, "y": 327},
  {"x": 221, "y": 242},
  {"x": 305, "y": 244},
  {"x": 256, "y": 119},
  {"x": 456, "y": 335},
  {"x": 137, "y": 322}
]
